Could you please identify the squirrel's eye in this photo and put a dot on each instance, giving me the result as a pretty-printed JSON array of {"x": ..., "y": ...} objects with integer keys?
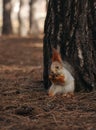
[{"x": 57, "y": 67}]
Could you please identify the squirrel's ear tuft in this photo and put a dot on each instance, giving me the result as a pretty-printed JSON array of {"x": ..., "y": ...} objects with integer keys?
[{"x": 56, "y": 56}]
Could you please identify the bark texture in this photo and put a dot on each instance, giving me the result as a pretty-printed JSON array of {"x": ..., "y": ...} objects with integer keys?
[
  {"x": 72, "y": 26},
  {"x": 7, "y": 27}
]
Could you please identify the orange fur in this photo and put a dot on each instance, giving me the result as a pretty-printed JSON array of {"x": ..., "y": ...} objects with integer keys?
[
  {"x": 56, "y": 56},
  {"x": 58, "y": 79}
]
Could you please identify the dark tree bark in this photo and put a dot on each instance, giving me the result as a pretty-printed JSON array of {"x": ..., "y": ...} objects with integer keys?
[
  {"x": 71, "y": 24},
  {"x": 7, "y": 27}
]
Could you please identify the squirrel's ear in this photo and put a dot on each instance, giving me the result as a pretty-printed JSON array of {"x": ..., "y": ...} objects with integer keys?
[{"x": 56, "y": 56}]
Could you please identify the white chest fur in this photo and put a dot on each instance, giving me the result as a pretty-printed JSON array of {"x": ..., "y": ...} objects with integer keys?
[{"x": 68, "y": 86}]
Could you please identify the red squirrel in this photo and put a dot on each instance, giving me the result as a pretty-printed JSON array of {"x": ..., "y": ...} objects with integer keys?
[{"x": 60, "y": 77}]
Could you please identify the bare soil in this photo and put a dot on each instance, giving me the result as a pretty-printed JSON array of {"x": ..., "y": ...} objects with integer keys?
[{"x": 24, "y": 103}]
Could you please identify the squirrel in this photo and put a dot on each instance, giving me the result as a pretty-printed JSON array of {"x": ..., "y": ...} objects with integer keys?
[{"x": 61, "y": 78}]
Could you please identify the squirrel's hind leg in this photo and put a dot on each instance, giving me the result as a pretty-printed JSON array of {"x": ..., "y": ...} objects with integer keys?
[{"x": 54, "y": 89}]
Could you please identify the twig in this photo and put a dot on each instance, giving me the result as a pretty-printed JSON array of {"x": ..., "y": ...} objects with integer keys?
[{"x": 56, "y": 122}]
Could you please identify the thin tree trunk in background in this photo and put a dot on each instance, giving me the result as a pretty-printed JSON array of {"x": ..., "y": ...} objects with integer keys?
[
  {"x": 72, "y": 25},
  {"x": 7, "y": 27},
  {"x": 30, "y": 16},
  {"x": 23, "y": 17},
  {"x": 19, "y": 19}
]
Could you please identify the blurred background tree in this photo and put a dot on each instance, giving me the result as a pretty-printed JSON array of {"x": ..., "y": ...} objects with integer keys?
[
  {"x": 22, "y": 17},
  {"x": 7, "y": 26}
]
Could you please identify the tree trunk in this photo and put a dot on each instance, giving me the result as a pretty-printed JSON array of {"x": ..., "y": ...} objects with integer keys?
[
  {"x": 72, "y": 25},
  {"x": 31, "y": 14},
  {"x": 19, "y": 17},
  {"x": 31, "y": 2},
  {"x": 7, "y": 27},
  {"x": 23, "y": 18}
]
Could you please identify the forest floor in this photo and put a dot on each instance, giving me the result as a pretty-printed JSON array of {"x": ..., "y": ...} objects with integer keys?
[{"x": 25, "y": 104}]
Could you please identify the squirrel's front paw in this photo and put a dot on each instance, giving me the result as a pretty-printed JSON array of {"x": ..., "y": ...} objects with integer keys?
[{"x": 51, "y": 94}]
